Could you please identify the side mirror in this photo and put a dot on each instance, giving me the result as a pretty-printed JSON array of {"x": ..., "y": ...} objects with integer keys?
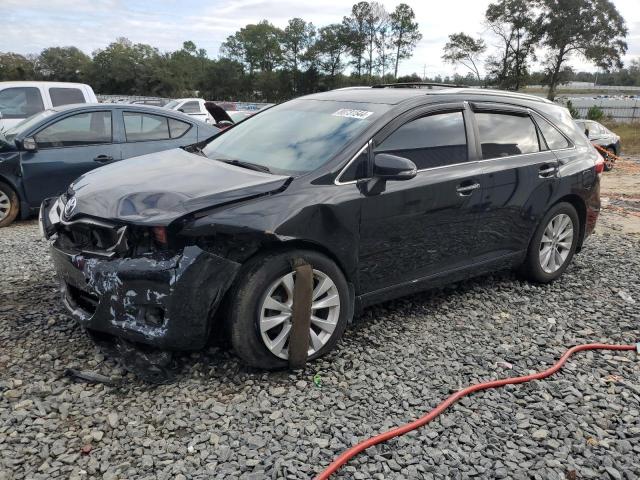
[
  {"x": 586, "y": 132},
  {"x": 29, "y": 144},
  {"x": 181, "y": 110},
  {"x": 392, "y": 167}
]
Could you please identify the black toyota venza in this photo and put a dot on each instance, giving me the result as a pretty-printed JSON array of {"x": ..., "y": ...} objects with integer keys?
[{"x": 383, "y": 190}]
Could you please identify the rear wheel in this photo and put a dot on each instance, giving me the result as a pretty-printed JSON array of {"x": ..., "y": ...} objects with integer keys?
[
  {"x": 260, "y": 308},
  {"x": 609, "y": 159},
  {"x": 553, "y": 244},
  {"x": 9, "y": 205}
]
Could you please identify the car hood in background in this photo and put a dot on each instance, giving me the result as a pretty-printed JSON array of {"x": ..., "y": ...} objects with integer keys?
[{"x": 158, "y": 188}]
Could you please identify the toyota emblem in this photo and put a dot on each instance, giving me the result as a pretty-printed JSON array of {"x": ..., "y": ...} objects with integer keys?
[{"x": 70, "y": 207}]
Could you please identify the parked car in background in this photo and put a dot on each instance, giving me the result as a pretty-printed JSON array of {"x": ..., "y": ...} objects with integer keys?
[
  {"x": 193, "y": 107},
  {"x": 600, "y": 135},
  {"x": 383, "y": 191},
  {"x": 154, "y": 102},
  {"x": 19, "y": 100},
  {"x": 41, "y": 156}
]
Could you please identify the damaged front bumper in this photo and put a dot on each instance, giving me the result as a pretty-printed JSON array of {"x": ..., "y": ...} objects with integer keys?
[{"x": 159, "y": 299}]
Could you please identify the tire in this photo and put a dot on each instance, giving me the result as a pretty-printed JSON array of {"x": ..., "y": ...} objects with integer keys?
[
  {"x": 534, "y": 267},
  {"x": 608, "y": 161},
  {"x": 250, "y": 293},
  {"x": 9, "y": 205}
]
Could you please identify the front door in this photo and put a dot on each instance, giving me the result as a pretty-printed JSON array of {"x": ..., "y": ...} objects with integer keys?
[
  {"x": 418, "y": 228},
  {"x": 67, "y": 148}
]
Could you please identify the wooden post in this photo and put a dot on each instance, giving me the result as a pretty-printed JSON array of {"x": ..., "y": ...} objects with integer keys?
[{"x": 300, "y": 314}]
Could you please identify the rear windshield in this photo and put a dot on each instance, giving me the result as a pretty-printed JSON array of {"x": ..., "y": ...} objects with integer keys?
[{"x": 297, "y": 136}]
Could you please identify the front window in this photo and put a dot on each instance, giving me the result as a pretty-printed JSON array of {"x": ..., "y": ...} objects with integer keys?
[
  {"x": 431, "y": 141},
  {"x": 89, "y": 128},
  {"x": 295, "y": 137},
  {"x": 172, "y": 104}
]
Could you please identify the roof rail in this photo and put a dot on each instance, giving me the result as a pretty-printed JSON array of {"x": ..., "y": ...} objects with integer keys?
[{"x": 428, "y": 85}]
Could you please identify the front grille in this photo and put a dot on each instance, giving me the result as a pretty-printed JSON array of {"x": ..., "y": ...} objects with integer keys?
[
  {"x": 92, "y": 237},
  {"x": 82, "y": 299}
]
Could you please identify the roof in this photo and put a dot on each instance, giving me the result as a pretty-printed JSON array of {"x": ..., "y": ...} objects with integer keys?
[
  {"x": 396, "y": 95},
  {"x": 123, "y": 106},
  {"x": 27, "y": 83}
]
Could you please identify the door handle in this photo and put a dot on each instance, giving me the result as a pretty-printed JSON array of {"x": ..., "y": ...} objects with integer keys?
[
  {"x": 103, "y": 158},
  {"x": 465, "y": 190},
  {"x": 546, "y": 171}
]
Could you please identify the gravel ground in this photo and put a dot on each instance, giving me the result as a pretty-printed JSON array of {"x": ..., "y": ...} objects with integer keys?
[{"x": 222, "y": 420}]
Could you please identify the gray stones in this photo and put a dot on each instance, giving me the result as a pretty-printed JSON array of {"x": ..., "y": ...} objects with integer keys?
[{"x": 398, "y": 360}]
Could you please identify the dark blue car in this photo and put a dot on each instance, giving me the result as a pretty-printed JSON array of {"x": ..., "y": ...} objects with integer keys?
[{"x": 41, "y": 156}]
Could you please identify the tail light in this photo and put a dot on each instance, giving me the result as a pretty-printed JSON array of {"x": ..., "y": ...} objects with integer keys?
[{"x": 600, "y": 164}]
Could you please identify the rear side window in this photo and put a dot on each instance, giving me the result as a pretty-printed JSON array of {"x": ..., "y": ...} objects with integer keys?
[
  {"x": 65, "y": 96},
  {"x": 142, "y": 126},
  {"x": 554, "y": 139},
  {"x": 190, "y": 107},
  {"x": 81, "y": 129},
  {"x": 503, "y": 135},
  {"x": 432, "y": 141},
  {"x": 178, "y": 128},
  {"x": 20, "y": 102}
]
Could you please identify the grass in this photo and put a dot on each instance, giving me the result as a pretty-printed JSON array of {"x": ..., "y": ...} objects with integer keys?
[{"x": 629, "y": 135}]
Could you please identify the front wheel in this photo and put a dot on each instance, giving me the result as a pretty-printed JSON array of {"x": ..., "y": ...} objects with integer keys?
[
  {"x": 261, "y": 302},
  {"x": 9, "y": 205},
  {"x": 553, "y": 244}
]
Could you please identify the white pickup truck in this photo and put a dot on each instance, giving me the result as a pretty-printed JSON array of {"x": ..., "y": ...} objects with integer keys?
[
  {"x": 19, "y": 100},
  {"x": 193, "y": 107}
]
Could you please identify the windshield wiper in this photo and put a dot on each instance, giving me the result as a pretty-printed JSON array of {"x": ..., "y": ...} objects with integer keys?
[{"x": 242, "y": 163}]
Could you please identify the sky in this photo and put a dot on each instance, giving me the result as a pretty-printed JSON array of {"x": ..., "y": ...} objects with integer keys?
[{"x": 32, "y": 25}]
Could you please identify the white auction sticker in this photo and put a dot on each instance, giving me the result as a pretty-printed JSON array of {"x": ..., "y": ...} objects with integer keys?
[{"x": 347, "y": 112}]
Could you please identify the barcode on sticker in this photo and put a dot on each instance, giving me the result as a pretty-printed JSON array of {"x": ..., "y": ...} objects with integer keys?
[{"x": 349, "y": 113}]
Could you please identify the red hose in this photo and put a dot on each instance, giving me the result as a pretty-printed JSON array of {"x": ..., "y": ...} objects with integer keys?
[{"x": 383, "y": 437}]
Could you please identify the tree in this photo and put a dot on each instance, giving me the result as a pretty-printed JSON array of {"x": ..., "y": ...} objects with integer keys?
[
  {"x": 591, "y": 28},
  {"x": 355, "y": 27},
  {"x": 297, "y": 38},
  {"x": 512, "y": 22},
  {"x": 330, "y": 49},
  {"x": 255, "y": 45},
  {"x": 372, "y": 24},
  {"x": 16, "y": 67},
  {"x": 404, "y": 33},
  {"x": 64, "y": 64},
  {"x": 384, "y": 45},
  {"x": 463, "y": 49}
]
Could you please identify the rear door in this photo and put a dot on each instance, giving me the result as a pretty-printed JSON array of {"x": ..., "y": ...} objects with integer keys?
[
  {"x": 150, "y": 132},
  {"x": 519, "y": 178},
  {"x": 418, "y": 228},
  {"x": 67, "y": 148}
]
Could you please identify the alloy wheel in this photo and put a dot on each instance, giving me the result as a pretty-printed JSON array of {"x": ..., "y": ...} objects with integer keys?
[
  {"x": 5, "y": 205},
  {"x": 556, "y": 243},
  {"x": 275, "y": 313}
]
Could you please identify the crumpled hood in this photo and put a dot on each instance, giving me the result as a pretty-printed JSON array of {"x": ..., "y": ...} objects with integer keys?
[{"x": 158, "y": 188}]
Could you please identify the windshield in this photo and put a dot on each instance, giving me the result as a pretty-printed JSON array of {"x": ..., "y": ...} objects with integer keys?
[
  {"x": 171, "y": 104},
  {"x": 295, "y": 137},
  {"x": 27, "y": 123}
]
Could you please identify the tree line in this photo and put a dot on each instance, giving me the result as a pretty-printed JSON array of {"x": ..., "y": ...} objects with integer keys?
[
  {"x": 563, "y": 29},
  {"x": 262, "y": 62},
  {"x": 258, "y": 62}
]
